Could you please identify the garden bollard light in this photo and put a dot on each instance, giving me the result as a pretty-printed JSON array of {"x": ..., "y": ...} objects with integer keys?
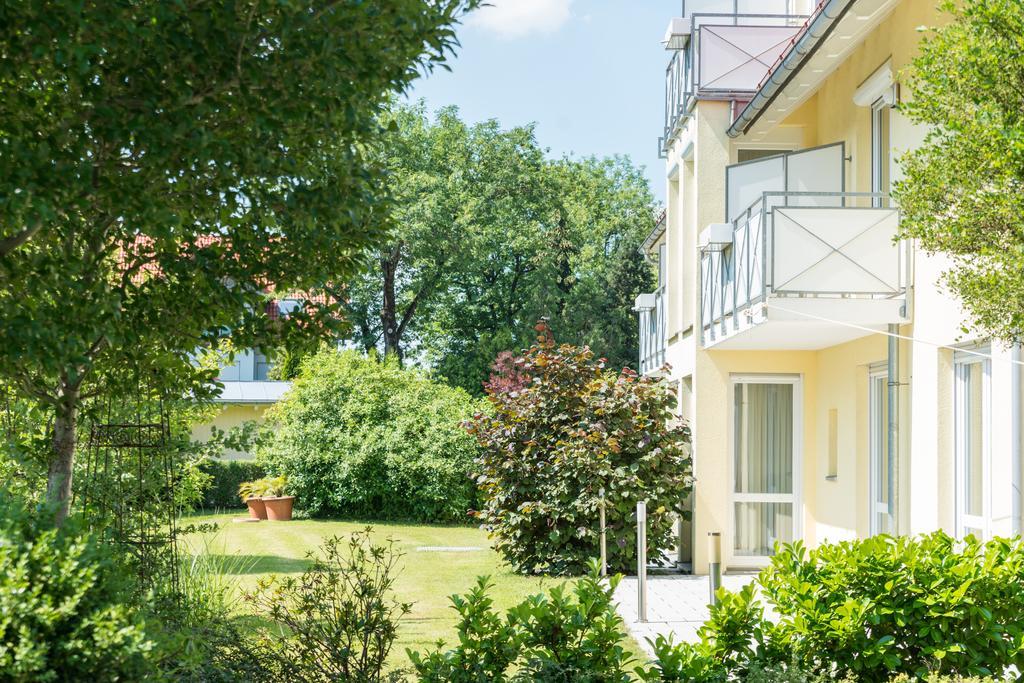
[
  {"x": 641, "y": 561},
  {"x": 604, "y": 539},
  {"x": 714, "y": 564}
]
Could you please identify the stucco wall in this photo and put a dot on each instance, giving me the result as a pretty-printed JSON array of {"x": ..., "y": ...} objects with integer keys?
[
  {"x": 228, "y": 417},
  {"x": 836, "y": 378}
]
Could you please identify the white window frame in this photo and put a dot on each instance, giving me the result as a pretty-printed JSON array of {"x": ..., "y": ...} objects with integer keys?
[
  {"x": 964, "y": 521},
  {"x": 796, "y": 497},
  {"x": 877, "y": 434},
  {"x": 881, "y": 154}
]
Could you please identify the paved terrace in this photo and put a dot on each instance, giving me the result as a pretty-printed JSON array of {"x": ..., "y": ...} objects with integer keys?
[{"x": 677, "y": 604}]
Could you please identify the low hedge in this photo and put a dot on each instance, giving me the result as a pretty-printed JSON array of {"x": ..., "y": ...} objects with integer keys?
[
  {"x": 868, "y": 610},
  {"x": 227, "y": 475}
]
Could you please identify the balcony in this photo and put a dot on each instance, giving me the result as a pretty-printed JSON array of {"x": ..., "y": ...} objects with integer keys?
[
  {"x": 651, "y": 308},
  {"x": 804, "y": 265},
  {"x": 721, "y": 49}
]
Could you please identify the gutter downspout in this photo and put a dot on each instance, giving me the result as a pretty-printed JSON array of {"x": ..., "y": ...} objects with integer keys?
[
  {"x": 819, "y": 27},
  {"x": 892, "y": 419},
  {"x": 1015, "y": 445}
]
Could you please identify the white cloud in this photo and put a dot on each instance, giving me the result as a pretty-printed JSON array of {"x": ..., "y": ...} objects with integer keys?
[{"x": 511, "y": 19}]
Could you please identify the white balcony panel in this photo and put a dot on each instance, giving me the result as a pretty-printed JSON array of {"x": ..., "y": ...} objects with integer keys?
[
  {"x": 835, "y": 250},
  {"x": 737, "y": 58},
  {"x": 820, "y": 169},
  {"x": 747, "y": 182}
]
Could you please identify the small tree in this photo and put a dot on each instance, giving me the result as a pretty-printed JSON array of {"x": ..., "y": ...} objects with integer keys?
[
  {"x": 963, "y": 190},
  {"x": 550, "y": 448},
  {"x": 162, "y": 163}
]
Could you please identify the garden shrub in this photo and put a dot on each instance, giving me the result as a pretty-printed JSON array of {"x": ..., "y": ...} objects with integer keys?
[
  {"x": 564, "y": 635},
  {"x": 227, "y": 476},
  {"x": 339, "y": 618},
  {"x": 873, "y": 609},
  {"x": 362, "y": 437},
  {"x": 65, "y": 609},
  {"x": 550, "y": 447},
  {"x": 202, "y": 635}
]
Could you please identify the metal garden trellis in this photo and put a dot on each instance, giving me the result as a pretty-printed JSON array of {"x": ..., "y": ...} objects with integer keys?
[{"x": 128, "y": 488}]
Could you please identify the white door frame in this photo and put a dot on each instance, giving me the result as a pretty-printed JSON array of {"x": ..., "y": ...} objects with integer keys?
[
  {"x": 796, "y": 498},
  {"x": 877, "y": 427},
  {"x": 965, "y": 521}
]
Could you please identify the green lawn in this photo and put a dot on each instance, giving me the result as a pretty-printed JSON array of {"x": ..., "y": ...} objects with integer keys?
[{"x": 427, "y": 578}]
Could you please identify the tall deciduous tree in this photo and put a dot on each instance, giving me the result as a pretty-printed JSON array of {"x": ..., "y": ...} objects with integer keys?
[
  {"x": 460, "y": 191},
  {"x": 162, "y": 163},
  {"x": 492, "y": 236},
  {"x": 963, "y": 191}
]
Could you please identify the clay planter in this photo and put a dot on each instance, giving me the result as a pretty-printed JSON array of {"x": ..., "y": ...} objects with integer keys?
[
  {"x": 257, "y": 509},
  {"x": 279, "y": 509}
]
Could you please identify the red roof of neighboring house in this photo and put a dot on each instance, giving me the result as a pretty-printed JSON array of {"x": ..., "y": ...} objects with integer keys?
[{"x": 142, "y": 243}]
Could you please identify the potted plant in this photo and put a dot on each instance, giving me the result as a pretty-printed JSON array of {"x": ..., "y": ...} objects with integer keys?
[
  {"x": 252, "y": 492},
  {"x": 279, "y": 505}
]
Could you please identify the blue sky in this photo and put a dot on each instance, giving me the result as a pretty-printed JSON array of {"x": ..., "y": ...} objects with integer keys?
[{"x": 589, "y": 73}]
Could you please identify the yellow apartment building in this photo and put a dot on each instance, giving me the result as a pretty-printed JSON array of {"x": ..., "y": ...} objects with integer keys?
[{"x": 830, "y": 388}]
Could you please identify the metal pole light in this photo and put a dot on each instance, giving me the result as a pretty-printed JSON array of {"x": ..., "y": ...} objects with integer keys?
[
  {"x": 641, "y": 561},
  {"x": 604, "y": 539},
  {"x": 714, "y": 564}
]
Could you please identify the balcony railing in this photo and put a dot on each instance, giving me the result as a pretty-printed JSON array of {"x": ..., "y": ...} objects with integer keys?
[
  {"x": 722, "y": 55},
  {"x": 651, "y": 308},
  {"x": 800, "y": 245}
]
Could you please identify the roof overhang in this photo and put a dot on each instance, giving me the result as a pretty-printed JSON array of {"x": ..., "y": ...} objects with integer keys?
[
  {"x": 265, "y": 392},
  {"x": 654, "y": 236},
  {"x": 831, "y": 34}
]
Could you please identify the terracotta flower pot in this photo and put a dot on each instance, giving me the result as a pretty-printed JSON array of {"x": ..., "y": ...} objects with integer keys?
[
  {"x": 257, "y": 509},
  {"x": 279, "y": 509}
]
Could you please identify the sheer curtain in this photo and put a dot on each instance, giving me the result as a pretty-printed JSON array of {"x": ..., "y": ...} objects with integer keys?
[{"x": 763, "y": 465}]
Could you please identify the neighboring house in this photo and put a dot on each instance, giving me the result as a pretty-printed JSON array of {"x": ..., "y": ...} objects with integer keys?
[
  {"x": 784, "y": 306},
  {"x": 248, "y": 388}
]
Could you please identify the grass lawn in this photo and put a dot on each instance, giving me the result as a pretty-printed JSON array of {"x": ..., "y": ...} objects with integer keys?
[{"x": 427, "y": 578}]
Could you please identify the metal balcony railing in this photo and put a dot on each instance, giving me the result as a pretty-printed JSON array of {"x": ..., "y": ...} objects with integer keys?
[
  {"x": 651, "y": 309},
  {"x": 725, "y": 55},
  {"x": 839, "y": 245}
]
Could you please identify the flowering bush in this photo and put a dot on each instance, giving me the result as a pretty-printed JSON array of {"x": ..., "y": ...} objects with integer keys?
[{"x": 550, "y": 447}]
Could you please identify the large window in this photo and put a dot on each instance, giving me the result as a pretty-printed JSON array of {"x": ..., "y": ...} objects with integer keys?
[
  {"x": 882, "y": 465},
  {"x": 972, "y": 408},
  {"x": 765, "y": 465}
]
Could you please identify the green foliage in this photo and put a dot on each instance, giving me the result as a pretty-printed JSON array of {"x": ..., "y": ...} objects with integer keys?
[
  {"x": 200, "y": 636},
  {"x": 492, "y": 236},
  {"x": 267, "y": 487},
  {"x": 963, "y": 190},
  {"x": 163, "y": 163},
  {"x": 685, "y": 663},
  {"x": 873, "y": 609},
  {"x": 226, "y": 478},
  {"x": 549, "y": 449},
  {"x": 64, "y": 611},
  {"x": 339, "y": 618},
  {"x": 566, "y": 635},
  {"x": 360, "y": 437}
]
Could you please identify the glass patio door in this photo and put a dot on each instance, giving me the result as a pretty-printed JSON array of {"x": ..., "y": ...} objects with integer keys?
[
  {"x": 972, "y": 404},
  {"x": 765, "y": 466},
  {"x": 882, "y": 465}
]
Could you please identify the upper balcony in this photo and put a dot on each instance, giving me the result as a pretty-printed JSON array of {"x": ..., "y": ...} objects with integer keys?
[
  {"x": 651, "y": 310},
  {"x": 801, "y": 264},
  {"x": 721, "y": 49}
]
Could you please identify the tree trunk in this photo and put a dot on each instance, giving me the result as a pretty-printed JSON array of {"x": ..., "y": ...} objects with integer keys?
[
  {"x": 62, "y": 459},
  {"x": 388, "y": 310}
]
